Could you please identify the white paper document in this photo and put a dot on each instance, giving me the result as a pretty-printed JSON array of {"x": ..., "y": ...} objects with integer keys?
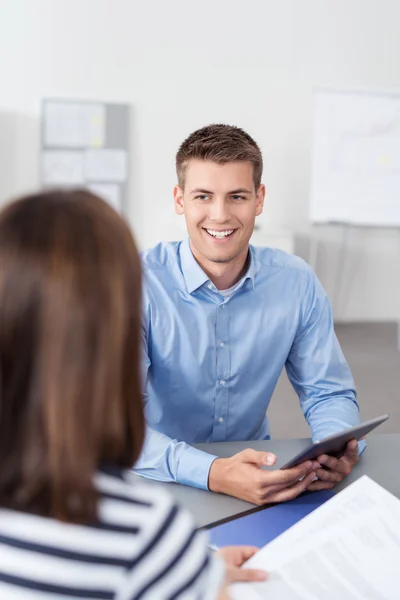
[
  {"x": 62, "y": 167},
  {"x": 108, "y": 192},
  {"x": 74, "y": 124},
  {"x": 347, "y": 549},
  {"x": 106, "y": 165}
]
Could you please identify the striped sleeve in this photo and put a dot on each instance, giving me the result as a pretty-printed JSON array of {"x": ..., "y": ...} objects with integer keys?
[{"x": 175, "y": 562}]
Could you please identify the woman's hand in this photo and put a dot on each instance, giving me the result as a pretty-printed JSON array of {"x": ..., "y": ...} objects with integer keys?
[{"x": 234, "y": 557}]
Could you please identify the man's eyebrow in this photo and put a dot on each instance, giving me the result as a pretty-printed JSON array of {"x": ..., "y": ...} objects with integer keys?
[
  {"x": 238, "y": 191},
  {"x": 200, "y": 191}
]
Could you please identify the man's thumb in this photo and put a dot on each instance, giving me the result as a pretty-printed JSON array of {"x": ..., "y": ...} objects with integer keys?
[{"x": 259, "y": 458}]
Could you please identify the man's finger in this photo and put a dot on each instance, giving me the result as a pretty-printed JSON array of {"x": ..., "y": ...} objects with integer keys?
[
  {"x": 292, "y": 492},
  {"x": 329, "y": 476},
  {"x": 267, "y": 493},
  {"x": 271, "y": 490},
  {"x": 277, "y": 487},
  {"x": 285, "y": 477},
  {"x": 329, "y": 461},
  {"x": 341, "y": 465},
  {"x": 351, "y": 451},
  {"x": 261, "y": 459},
  {"x": 317, "y": 486}
]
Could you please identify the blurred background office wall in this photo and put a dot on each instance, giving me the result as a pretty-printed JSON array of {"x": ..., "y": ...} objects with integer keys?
[{"x": 183, "y": 64}]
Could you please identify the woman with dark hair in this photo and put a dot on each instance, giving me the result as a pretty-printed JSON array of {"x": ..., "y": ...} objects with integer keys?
[{"x": 73, "y": 524}]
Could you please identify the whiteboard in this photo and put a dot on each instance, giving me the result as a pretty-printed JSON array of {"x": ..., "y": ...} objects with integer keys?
[{"x": 356, "y": 158}]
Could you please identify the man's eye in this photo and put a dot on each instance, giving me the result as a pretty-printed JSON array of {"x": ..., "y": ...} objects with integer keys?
[
  {"x": 237, "y": 198},
  {"x": 202, "y": 197}
]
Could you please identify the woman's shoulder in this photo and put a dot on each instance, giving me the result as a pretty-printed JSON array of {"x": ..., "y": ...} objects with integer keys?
[
  {"x": 124, "y": 487},
  {"x": 171, "y": 555},
  {"x": 131, "y": 506}
]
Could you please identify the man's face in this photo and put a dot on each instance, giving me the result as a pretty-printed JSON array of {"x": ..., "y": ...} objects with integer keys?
[{"x": 220, "y": 204}]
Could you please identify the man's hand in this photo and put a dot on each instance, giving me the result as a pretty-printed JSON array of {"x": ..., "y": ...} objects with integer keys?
[
  {"x": 234, "y": 557},
  {"x": 333, "y": 470},
  {"x": 242, "y": 476}
]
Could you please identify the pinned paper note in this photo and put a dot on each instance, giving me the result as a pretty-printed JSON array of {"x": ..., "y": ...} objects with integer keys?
[
  {"x": 74, "y": 124},
  {"x": 63, "y": 167},
  {"x": 109, "y": 192},
  {"x": 106, "y": 165}
]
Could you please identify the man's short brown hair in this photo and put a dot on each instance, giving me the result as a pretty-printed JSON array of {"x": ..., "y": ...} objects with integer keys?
[{"x": 221, "y": 144}]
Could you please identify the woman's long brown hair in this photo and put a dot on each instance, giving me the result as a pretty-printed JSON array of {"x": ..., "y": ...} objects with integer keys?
[{"x": 70, "y": 390}]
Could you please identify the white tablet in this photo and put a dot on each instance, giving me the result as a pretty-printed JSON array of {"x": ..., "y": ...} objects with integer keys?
[{"x": 334, "y": 445}]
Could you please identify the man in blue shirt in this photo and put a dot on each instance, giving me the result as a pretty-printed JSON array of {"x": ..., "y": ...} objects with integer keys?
[{"x": 221, "y": 320}]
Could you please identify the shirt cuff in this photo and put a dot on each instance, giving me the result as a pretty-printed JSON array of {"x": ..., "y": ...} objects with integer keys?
[
  {"x": 193, "y": 468},
  {"x": 361, "y": 447}
]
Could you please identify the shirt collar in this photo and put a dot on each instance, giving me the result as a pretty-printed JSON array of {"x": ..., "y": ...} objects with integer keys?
[
  {"x": 251, "y": 270},
  {"x": 192, "y": 272},
  {"x": 194, "y": 275}
]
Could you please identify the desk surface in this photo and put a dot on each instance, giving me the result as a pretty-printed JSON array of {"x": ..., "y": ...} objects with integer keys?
[{"x": 380, "y": 461}]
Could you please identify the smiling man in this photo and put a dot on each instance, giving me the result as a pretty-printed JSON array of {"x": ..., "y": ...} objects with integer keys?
[{"x": 221, "y": 321}]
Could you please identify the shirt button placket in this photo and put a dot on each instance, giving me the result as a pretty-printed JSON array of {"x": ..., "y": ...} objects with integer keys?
[{"x": 222, "y": 374}]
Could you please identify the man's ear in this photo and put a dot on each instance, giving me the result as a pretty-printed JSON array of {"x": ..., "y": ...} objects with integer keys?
[
  {"x": 178, "y": 200},
  {"x": 260, "y": 199}
]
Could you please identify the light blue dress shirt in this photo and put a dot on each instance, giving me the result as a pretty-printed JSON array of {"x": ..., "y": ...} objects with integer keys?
[{"x": 212, "y": 363}]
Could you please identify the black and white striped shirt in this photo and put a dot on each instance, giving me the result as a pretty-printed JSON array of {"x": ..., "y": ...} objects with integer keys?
[{"x": 143, "y": 546}]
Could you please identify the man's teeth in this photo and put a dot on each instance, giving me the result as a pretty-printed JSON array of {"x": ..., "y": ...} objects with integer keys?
[{"x": 220, "y": 234}]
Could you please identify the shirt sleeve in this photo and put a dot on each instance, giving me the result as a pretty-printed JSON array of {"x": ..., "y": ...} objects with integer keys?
[
  {"x": 173, "y": 560},
  {"x": 167, "y": 459},
  {"x": 318, "y": 369}
]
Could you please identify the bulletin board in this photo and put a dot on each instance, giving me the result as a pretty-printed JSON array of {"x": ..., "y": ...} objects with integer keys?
[{"x": 86, "y": 144}]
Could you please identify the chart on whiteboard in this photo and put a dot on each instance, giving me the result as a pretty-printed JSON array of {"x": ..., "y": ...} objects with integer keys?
[{"x": 356, "y": 158}]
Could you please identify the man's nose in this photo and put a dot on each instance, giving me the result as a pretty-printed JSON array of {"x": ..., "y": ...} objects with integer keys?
[{"x": 219, "y": 210}]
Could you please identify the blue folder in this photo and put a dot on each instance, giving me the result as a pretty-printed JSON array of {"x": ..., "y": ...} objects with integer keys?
[{"x": 261, "y": 527}]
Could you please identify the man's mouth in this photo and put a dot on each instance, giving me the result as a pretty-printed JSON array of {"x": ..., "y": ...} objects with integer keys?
[{"x": 221, "y": 234}]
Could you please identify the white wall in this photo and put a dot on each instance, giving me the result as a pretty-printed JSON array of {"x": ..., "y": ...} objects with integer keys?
[{"x": 182, "y": 64}]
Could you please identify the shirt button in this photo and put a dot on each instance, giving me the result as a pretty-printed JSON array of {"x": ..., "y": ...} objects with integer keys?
[
  {"x": 222, "y": 306},
  {"x": 221, "y": 344},
  {"x": 210, "y": 287},
  {"x": 222, "y": 382},
  {"x": 220, "y": 420}
]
